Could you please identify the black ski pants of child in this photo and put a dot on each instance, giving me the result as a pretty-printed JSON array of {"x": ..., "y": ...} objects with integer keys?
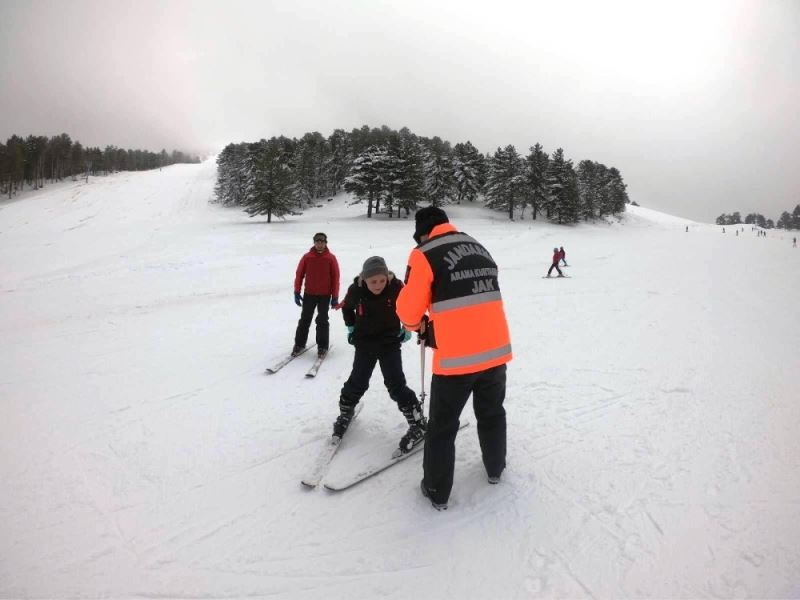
[
  {"x": 391, "y": 361},
  {"x": 449, "y": 395},
  {"x": 554, "y": 266},
  {"x": 310, "y": 304}
]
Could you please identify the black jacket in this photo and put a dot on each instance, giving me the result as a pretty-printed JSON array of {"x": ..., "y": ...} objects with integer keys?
[{"x": 374, "y": 319}]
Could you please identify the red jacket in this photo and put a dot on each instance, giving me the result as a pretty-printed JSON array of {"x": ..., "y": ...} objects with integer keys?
[
  {"x": 321, "y": 272},
  {"x": 556, "y": 256}
]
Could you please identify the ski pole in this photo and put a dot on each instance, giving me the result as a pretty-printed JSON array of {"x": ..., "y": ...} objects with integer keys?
[{"x": 422, "y": 370}]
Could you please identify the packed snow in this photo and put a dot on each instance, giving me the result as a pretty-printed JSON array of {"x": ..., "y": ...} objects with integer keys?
[{"x": 654, "y": 422}]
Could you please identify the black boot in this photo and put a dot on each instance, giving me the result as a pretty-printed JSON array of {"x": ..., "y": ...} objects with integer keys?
[
  {"x": 416, "y": 427},
  {"x": 343, "y": 420},
  {"x": 427, "y": 493}
]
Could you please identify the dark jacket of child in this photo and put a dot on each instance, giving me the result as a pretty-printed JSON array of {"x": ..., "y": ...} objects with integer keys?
[{"x": 376, "y": 327}]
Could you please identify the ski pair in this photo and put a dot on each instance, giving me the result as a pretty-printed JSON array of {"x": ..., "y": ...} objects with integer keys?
[
  {"x": 312, "y": 372},
  {"x": 323, "y": 460},
  {"x": 349, "y": 480}
]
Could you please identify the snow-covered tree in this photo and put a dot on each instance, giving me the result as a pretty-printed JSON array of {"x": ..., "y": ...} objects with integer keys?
[
  {"x": 439, "y": 188},
  {"x": 339, "y": 160},
  {"x": 535, "y": 179},
  {"x": 366, "y": 178},
  {"x": 271, "y": 187},
  {"x": 466, "y": 172}
]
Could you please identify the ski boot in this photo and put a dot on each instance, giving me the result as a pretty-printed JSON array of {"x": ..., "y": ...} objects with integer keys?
[
  {"x": 416, "y": 428},
  {"x": 296, "y": 350},
  {"x": 342, "y": 422}
]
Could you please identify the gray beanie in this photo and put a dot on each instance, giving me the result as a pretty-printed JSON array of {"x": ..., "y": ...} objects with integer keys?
[{"x": 374, "y": 265}]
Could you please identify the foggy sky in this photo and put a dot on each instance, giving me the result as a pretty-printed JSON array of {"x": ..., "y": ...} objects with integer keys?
[{"x": 696, "y": 103}]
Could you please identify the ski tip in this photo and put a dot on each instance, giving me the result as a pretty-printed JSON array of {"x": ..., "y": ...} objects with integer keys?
[{"x": 309, "y": 485}]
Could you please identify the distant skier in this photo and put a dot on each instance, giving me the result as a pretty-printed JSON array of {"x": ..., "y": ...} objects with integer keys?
[
  {"x": 556, "y": 258},
  {"x": 375, "y": 330},
  {"x": 563, "y": 256},
  {"x": 794, "y": 242},
  {"x": 320, "y": 270}
]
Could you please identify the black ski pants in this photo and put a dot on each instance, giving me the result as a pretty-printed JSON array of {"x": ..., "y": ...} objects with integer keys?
[
  {"x": 554, "y": 266},
  {"x": 449, "y": 395},
  {"x": 320, "y": 304},
  {"x": 391, "y": 361}
]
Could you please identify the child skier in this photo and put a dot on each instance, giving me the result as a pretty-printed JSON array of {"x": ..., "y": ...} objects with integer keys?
[
  {"x": 556, "y": 258},
  {"x": 562, "y": 254},
  {"x": 375, "y": 331}
]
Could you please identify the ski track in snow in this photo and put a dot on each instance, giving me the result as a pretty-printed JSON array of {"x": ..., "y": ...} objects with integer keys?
[{"x": 653, "y": 448}]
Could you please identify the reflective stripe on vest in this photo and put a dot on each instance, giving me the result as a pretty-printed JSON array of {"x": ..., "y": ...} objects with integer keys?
[
  {"x": 447, "y": 238},
  {"x": 475, "y": 359},
  {"x": 472, "y": 300}
]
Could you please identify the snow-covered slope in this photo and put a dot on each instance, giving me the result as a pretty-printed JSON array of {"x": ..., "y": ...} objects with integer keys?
[{"x": 652, "y": 402}]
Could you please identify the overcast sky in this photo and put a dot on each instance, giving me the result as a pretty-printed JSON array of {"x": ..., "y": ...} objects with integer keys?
[{"x": 697, "y": 103}]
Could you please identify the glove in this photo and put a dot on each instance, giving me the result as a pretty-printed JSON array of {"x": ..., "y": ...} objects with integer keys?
[
  {"x": 404, "y": 335},
  {"x": 422, "y": 337},
  {"x": 298, "y": 299},
  {"x": 350, "y": 334},
  {"x": 334, "y": 301}
]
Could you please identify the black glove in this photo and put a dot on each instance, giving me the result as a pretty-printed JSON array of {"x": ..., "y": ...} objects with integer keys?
[
  {"x": 350, "y": 334},
  {"x": 334, "y": 302},
  {"x": 421, "y": 337},
  {"x": 298, "y": 299}
]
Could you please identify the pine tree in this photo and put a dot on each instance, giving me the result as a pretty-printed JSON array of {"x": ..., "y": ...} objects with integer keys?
[
  {"x": 309, "y": 159},
  {"x": 785, "y": 220},
  {"x": 589, "y": 188},
  {"x": 561, "y": 202},
  {"x": 536, "y": 164},
  {"x": 506, "y": 185},
  {"x": 618, "y": 194},
  {"x": 270, "y": 183},
  {"x": 365, "y": 180},
  {"x": 439, "y": 184},
  {"x": 411, "y": 186},
  {"x": 466, "y": 172},
  {"x": 339, "y": 159}
]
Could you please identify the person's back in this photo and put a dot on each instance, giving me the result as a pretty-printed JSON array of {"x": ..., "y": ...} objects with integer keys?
[{"x": 453, "y": 278}]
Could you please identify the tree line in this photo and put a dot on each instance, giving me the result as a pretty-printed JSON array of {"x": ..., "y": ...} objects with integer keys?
[
  {"x": 787, "y": 220},
  {"x": 392, "y": 171},
  {"x": 35, "y": 160}
]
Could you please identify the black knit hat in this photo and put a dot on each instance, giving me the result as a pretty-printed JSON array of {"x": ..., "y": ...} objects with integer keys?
[{"x": 426, "y": 219}]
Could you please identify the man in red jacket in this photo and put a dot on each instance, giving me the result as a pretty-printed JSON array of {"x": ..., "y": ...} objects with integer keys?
[{"x": 320, "y": 270}]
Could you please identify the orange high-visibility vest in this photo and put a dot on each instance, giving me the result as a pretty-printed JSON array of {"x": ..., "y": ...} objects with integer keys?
[{"x": 453, "y": 278}]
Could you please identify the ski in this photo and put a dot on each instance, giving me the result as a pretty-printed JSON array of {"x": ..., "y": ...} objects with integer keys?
[
  {"x": 348, "y": 481},
  {"x": 323, "y": 461},
  {"x": 312, "y": 372},
  {"x": 285, "y": 361},
  {"x": 556, "y": 277}
]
